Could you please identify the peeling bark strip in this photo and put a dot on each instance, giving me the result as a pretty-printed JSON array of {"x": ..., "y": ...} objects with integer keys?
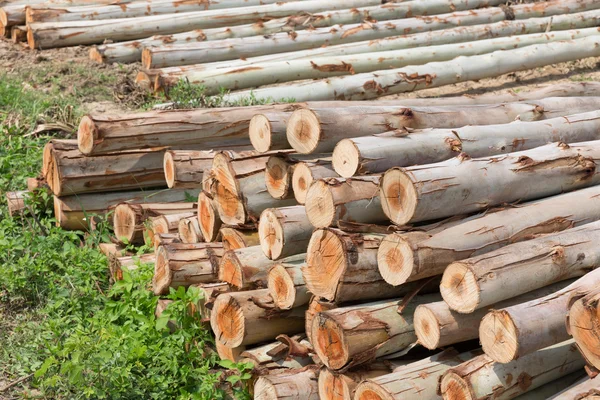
[
  {"x": 372, "y": 85},
  {"x": 284, "y": 231},
  {"x": 404, "y": 257},
  {"x": 349, "y": 336},
  {"x": 588, "y": 389},
  {"x": 415, "y": 380},
  {"x": 378, "y": 153},
  {"x": 245, "y": 318},
  {"x": 185, "y": 264},
  {"x": 583, "y": 325},
  {"x": 481, "y": 377},
  {"x": 509, "y": 333},
  {"x": 414, "y": 194},
  {"x": 286, "y": 285},
  {"x": 234, "y": 239},
  {"x": 301, "y": 384}
]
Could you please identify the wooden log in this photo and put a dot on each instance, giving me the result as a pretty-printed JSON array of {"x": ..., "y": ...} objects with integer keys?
[
  {"x": 315, "y": 306},
  {"x": 284, "y": 231},
  {"x": 114, "y": 250},
  {"x": 185, "y": 264},
  {"x": 305, "y": 172},
  {"x": 278, "y": 177},
  {"x": 267, "y": 131},
  {"x": 473, "y": 283},
  {"x": 209, "y": 292},
  {"x": 229, "y": 353},
  {"x": 245, "y": 318},
  {"x": 378, "y": 153},
  {"x": 36, "y": 183},
  {"x": 18, "y": 33},
  {"x": 208, "y": 218},
  {"x": 404, "y": 257},
  {"x": 116, "y": 265},
  {"x": 587, "y": 390},
  {"x": 75, "y": 212},
  {"x": 16, "y": 202},
  {"x": 415, "y": 380},
  {"x": 234, "y": 239},
  {"x": 167, "y": 224},
  {"x": 331, "y": 200},
  {"x": 189, "y": 230},
  {"x": 294, "y": 385},
  {"x": 582, "y": 324},
  {"x": 163, "y": 239},
  {"x": 184, "y": 168},
  {"x": 348, "y": 336},
  {"x": 414, "y": 194},
  {"x": 286, "y": 285},
  {"x": 481, "y": 376},
  {"x": 276, "y": 357},
  {"x": 408, "y": 79},
  {"x": 551, "y": 389},
  {"x": 129, "y": 219},
  {"x": 509, "y": 333}
]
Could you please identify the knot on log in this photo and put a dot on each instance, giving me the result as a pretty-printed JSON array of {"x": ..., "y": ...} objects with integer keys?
[
  {"x": 558, "y": 254},
  {"x": 509, "y": 13}
]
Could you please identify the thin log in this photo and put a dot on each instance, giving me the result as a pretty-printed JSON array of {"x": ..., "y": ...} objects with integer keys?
[
  {"x": 118, "y": 264},
  {"x": 18, "y": 33},
  {"x": 208, "y": 218},
  {"x": 166, "y": 224},
  {"x": 229, "y": 353},
  {"x": 306, "y": 172},
  {"x": 315, "y": 306},
  {"x": 185, "y": 169},
  {"x": 185, "y": 264},
  {"x": 582, "y": 324},
  {"x": 209, "y": 292},
  {"x": 589, "y": 389},
  {"x": 509, "y": 333},
  {"x": 16, "y": 202},
  {"x": 284, "y": 231},
  {"x": 163, "y": 239},
  {"x": 267, "y": 131},
  {"x": 234, "y": 239},
  {"x": 482, "y": 377},
  {"x": 286, "y": 285},
  {"x": 414, "y": 194},
  {"x": 245, "y": 318},
  {"x": 189, "y": 230},
  {"x": 294, "y": 385}
]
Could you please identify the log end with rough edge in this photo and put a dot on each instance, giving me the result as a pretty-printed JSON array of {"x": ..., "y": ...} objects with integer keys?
[
  {"x": 230, "y": 270},
  {"x": 160, "y": 225},
  {"x": 371, "y": 391},
  {"x": 399, "y": 196},
  {"x": 144, "y": 80},
  {"x": 329, "y": 342},
  {"x": 188, "y": 232},
  {"x": 281, "y": 287},
  {"x": 303, "y": 131},
  {"x": 162, "y": 273},
  {"x": 346, "y": 158},
  {"x": 229, "y": 353},
  {"x": 53, "y": 178},
  {"x": 147, "y": 58},
  {"x": 270, "y": 233},
  {"x": 3, "y": 18},
  {"x": 96, "y": 55},
  {"x": 207, "y": 218},
  {"x": 454, "y": 387},
  {"x": 169, "y": 168},
  {"x": 320, "y": 207},
  {"x": 260, "y": 133},
  {"x": 583, "y": 325},
  {"x": 30, "y": 38},
  {"x": 427, "y": 327},
  {"x": 230, "y": 207},
  {"x": 265, "y": 390},
  {"x": 302, "y": 178},
  {"x": 395, "y": 259},
  {"x": 333, "y": 386},
  {"x": 224, "y": 173},
  {"x": 277, "y": 178},
  {"x": 87, "y": 133},
  {"x": 459, "y": 288},
  {"x": 227, "y": 321},
  {"x": 326, "y": 262},
  {"x": 124, "y": 223},
  {"x": 498, "y": 335}
]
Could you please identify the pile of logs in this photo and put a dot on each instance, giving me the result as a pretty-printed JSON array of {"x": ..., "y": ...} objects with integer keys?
[{"x": 363, "y": 251}]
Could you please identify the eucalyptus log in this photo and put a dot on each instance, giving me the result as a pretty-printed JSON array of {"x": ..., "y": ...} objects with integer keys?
[
  {"x": 189, "y": 230},
  {"x": 267, "y": 131},
  {"x": 348, "y": 336},
  {"x": 185, "y": 169},
  {"x": 185, "y": 264},
  {"x": 245, "y": 318},
  {"x": 414, "y": 194},
  {"x": 481, "y": 377},
  {"x": 286, "y": 285},
  {"x": 18, "y": 33},
  {"x": 305, "y": 172},
  {"x": 163, "y": 239},
  {"x": 16, "y": 202},
  {"x": 512, "y": 332},
  {"x": 165, "y": 224},
  {"x": 378, "y": 153},
  {"x": 277, "y": 357},
  {"x": 116, "y": 265},
  {"x": 278, "y": 177},
  {"x": 208, "y": 218},
  {"x": 293, "y": 385},
  {"x": 588, "y": 389},
  {"x": 551, "y": 389},
  {"x": 209, "y": 292},
  {"x": 234, "y": 239},
  {"x": 284, "y": 231},
  {"x": 408, "y": 79},
  {"x": 229, "y": 353},
  {"x": 582, "y": 324},
  {"x": 315, "y": 306}
]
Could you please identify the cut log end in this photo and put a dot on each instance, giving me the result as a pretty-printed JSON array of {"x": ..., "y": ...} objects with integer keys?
[
  {"x": 303, "y": 131},
  {"x": 230, "y": 270},
  {"x": 329, "y": 342},
  {"x": 270, "y": 233},
  {"x": 189, "y": 230},
  {"x": 454, "y": 387},
  {"x": 583, "y": 326},
  {"x": 326, "y": 262},
  {"x": 124, "y": 222},
  {"x": 427, "y": 327},
  {"x": 346, "y": 158},
  {"x": 207, "y": 218},
  {"x": 96, "y": 56},
  {"x": 86, "y": 135},
  {"x": 333, "y": 386},
  {"x": 147, "y": 58},
  {"x": 320, "y": 207},
  {"x": 459, "y": 288},
  {"x": 3, "y": 18},
  {"x": 169, "y": 168},
  {"x": 371, "y": 391},
  {"x": 230, "y": 206},
  {"x": 281, "y": 287},
  {"x": 160, "y": 225},
  {"x": 260, "y": 133},
  {"x": 144, "y": 81},
  {"x": 498, "y": 335},
  {"x": 302, "y": 178},
  {"x": 395, "y": 259},
  {"x": 227, "y": 321},
  {"x": 30, "y": 38},
  {"x": 277, "y": 178},
  {"x": 265, "y": 390},
  {"x": 162, "y": 273},
  {"x": 399, "y": 197}
]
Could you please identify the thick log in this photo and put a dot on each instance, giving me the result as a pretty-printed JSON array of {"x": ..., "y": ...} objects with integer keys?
[
  {"x": 378, "y": 153},
  {"x": 476, "y": 282},
  {"x": 278, "y": 357},
  {"x": 116, "y": 265},
  {"x": 582, "y": 324},
  {"x": 189, "y": 230},
  {"x": 509, "y": 333},
  {"x": 404, "y": 257},
  {"x": 245, "y": 318},
  {"x": 551, "y": 389},
  {"x": 331, "y": 200},
  {"x": 185, "y": 169},
  {"x": 414, "y": 194},
  {"x": 305, "y": 172},
  {"x": 589, "y": 389},
  {"x": 286, "y": 285},
  {"x": 208, "y": 218},
  {"x": 415, "y": 380},
  {"x": 185, "y": 264},
  {"x": 16, "y": 202},
  {"x": 315, "y": 306},
  {"x": 284, "y": 231},
  {"x": 408, "y": 79},
  {"x": 293, "y": 385},
  {"x": 349, "y": 336},
  {"x": 482, "y": 377},
  {"x": 234, "y": 239}
]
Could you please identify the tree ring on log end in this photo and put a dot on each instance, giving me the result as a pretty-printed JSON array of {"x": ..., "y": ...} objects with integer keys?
[
  {"x": 301, "y": 180},
  {"x": 399, "y": 197},
  {"x": 260, "y": 133},
  {"x": 329, "y": 342},
  {"x": 346, "y": 158},
  {"x": 265, "y": 390},
  {"x": 371, "y": 391},
  {"x": 455, "y": 387},
  {"x": 227, "y": 321},
  {"x": 326, "y": 262},
  {"x": 303, "y": 131},
  {"x": 333, "y": 386},
  {"x": 160, "y": 225},
  {"x": 169, "y": 168},
  {"x": 427, "y": 327},
  {"x": 207, "y": 218},
  {"x": 459, "y": 288},
  {"x": 96, "y": 55},
  {"x": 395, "y": 259},
  {"x": 320, "y": 207},
  {"x": 230, "y": 206},
  {"x": 230, "y": 269},
  {"x": 277, "y": 177},
  {"x": 271, "y": 234},
  {"x": 224, "y": 173},
  {"x": 162, "y": 273},
  {"x": 3, "y": 18},
  {"x": 281, "y": 287},
  {"x": 583, "y": 325},
  {"x": 498, "y": 335},
  {"x": 86, "y": 135},
  {"x": 124, "y": 222}
]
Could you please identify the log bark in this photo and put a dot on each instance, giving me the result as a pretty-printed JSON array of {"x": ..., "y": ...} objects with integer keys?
[
  {"x": 163, "y": 239},
  {"x": 208, "y": 218},
  {"x": 286, "y": 285},
  {"x": 349, "y": 336},
  {"x": 189, "y": 230},
  {"x": 245, "y": 318},
  {"x": 408, "y": 79},
  {"x": 331, "y": 200},
  {"x": 378, "y": 153},
  {"x": 275, "y": 358},
  {"x": 473, "y": 283},
  {"x": 185, "y": 264},
  {"x": 18, "y": 33},
  {"x": 209, "y": 293},
  {"x": 305, "y": 172},
  {"x": 509, "y": 333},
  {"x": 185, "y": 169},
  {"x": 315, "y": 306},
  {"x": 587, "y": 390},
  {"x": 414, "y": 194},
  {"x": 294, "y": 385},
  {"x": 404, "y": 257},
  {"x": 482, "y": 377},
  {"x": 16, "y": 202},
  {"x": 284, "y": 231},
  {"x": 234, "y": 239},
  {"x": 582, "y": 324},
  {"x": 116, "y": 265}
]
